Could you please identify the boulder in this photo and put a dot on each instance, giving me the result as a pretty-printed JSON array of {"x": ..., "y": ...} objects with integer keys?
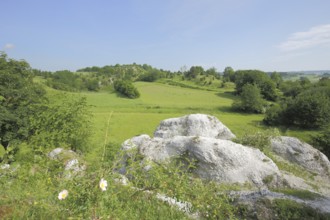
[
  {"x": 71, "y": 161},
  {"x": 193, "y": 125},
  {"x": 218, "y": 160},
  {"x": 302, "y": 154}
]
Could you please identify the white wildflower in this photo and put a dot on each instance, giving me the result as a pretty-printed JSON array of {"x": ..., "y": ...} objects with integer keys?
[
  {"x": 103, "y": 184},
  {"x": 63, "y": 194}
]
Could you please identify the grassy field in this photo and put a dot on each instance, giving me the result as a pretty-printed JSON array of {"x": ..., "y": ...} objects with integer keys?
[
  {"x": 131, "y": 117},
  {"x": 30, "y": 189}
]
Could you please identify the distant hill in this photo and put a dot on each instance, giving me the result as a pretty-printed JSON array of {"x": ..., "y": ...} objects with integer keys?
[{"x": 317, "y": 72}]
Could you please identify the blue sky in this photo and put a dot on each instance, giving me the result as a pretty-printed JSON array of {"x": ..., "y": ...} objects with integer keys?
[{"x": 270, "y": 35}]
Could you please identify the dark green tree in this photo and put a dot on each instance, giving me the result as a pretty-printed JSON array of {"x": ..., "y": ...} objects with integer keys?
[
  {"x": 194, "y": 71},
  {"x": 212, "y": 72},
  {"x": 309, "y": 109},
  {"x": 250, "y": 100},
  {"x": 91, "y": 84},
  {"x": 229, "y": 74},
  {"x": 277, "y": 78},
  {"x": 126, "y": 88},
  {"x": 18, "y": 98},
  {"x": 322, "y": 140},
  {"x": 260, "y": 79}
]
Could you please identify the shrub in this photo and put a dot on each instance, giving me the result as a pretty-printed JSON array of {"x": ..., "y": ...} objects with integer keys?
[
  {"x": 258, "y": 139},
  {"x": 63, "y": 122},
  {"x": 322, "y": 141},
  {"x": 250, "y": 100},
  {"x": 126, "y": 88}
]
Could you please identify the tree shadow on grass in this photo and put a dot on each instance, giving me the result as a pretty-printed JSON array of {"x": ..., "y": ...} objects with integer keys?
[
  {"x": 259, "y": 124},
  {"x": 227, "y": 95},
  {"x": 226, "y": 109}
]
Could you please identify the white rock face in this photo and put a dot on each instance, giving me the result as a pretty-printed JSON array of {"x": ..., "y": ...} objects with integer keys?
[
  {"x": 205, "y": 139},
  {"x": 303, "y": 154},
  {"x": 193, "y": 125},
  {"x": 134, "y": 142},
  {"x": 218, "y": 160}
]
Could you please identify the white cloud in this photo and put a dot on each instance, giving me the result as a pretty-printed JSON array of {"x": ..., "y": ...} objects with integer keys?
[
  {"x": 316, "y": 36},
  {"x": 9, "y": 46}
]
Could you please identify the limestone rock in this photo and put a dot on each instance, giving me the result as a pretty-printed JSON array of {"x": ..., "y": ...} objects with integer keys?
[
  {"x": 134, "y": 142},
  {"x": 71, "y": 161},
  {"x": 218, "y": 160},
  {"x": 303, "y": 154},
  {"x": 193, "y": 125}
]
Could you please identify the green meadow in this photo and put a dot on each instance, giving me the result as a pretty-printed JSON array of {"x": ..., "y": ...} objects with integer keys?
[
  {"x": 31, "y": 192},
  {"x": 130, "y": 117}
]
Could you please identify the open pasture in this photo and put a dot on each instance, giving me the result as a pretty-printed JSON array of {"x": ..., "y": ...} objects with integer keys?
[{"x": 129, "y": 117}]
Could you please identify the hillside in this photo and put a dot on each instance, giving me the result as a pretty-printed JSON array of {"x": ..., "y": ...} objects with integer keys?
[{"x": 68, "y": 163}]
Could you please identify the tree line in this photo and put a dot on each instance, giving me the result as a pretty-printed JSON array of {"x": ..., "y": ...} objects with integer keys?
[{"x": 299, "y": 103}]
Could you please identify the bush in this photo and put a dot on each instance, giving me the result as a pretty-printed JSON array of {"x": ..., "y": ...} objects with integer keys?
[
  {"x": 310, "y": 109},
  {"x": 63, "y": 122},
  {"x": 258, "y": 139},
  {"x": 259, "y": 78},
  {"x": 250, "y": 100},
  {"x": 287, "y": 209},
  {"x": 274, "y": 115},
  {"x": 126, "y": 88},
  {"x": 322, "y": 141}
]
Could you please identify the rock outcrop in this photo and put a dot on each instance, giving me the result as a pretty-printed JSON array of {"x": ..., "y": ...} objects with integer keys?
[
  {"x": 218, "y": 160},
  {"x": 204, "y": 138},
  {"x": 194, "y": 125},
  {"x": 70, "y": 160},
  {"x": 302, "y": 154}
]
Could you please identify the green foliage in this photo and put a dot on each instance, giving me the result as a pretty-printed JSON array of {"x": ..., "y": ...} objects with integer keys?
[
  {"x": 175, "y": 180},
  {"x": 277, "y": 79},
  {"x": 322, "y": 140},
  {"x": 92, "y": 85},
  {"x": 68, "y": 81},
  {"x": 302, "y": 194},
  {"x": 130, "y": 72},
  {"x": 325, "y": 81},
  {"x": 63, "y": 122},
  {"x": 279, "y": 209},
  {"x": 250, "y": 100},
  {"x": 258, "y": 139},
  {"x": 274, "y": 115},
  {"x": 268, "y": 179},
  {"x": 64, "y": 80},
  {"x": 31, "y": 191},
  {"x": 287, "y": 209},
  {"x": 126, "y": 88},
  {"x": 19, "y": 95},
  {"x": 194, "y": 71},
  {"x": 151, "y": 76},
  {"x": 212, "y": 72},
  {"x": 310, "y": 109},
  {"x": 259, "y": 78},
  {"x": 294, "y": 88},
  {"x": 289, "y": 167},
  {"x": 229, "y": 74}
]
